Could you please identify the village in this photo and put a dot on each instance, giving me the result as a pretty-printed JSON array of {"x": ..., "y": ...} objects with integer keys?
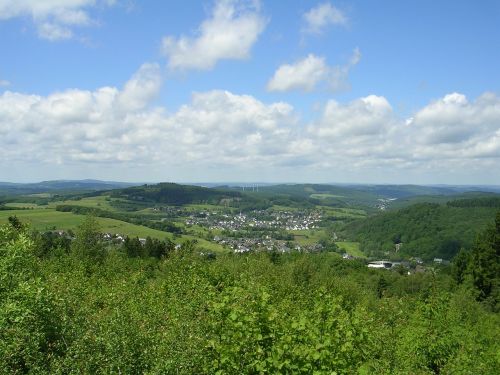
[
  {"x": 258, "y": 230},
  {"x": 257, "y": 219}
]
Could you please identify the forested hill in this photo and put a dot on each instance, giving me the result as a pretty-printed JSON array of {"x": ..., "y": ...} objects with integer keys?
[
  {"x": 175, "y": 194},
  {"x": 374, "y": 197},
  {"x": 425, "y": 230},
  {"x": 59, "y": 186}
]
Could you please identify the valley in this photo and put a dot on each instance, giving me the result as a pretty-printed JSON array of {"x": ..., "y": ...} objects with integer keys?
[{"x": 372, "y": 222}]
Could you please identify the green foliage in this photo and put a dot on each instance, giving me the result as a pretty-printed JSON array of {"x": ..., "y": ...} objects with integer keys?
[
  {"x": 459, "y": 266},
  {"x": 493, "y": 202},
  {"x": 51, "y": 243},
  {"x": 88, "y": 243},
  {"x": 29, "y": 332},
  {"x": 253, "y": 333},
  {"x": 174, "y": 194},
  {"x": 484, "y": 264},
  {"x": 186, "y": 313},
  {"x": 425, "y": 230}
]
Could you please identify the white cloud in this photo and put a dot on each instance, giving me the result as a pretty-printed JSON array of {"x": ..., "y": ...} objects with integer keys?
[
  {"x": 141, "y": 88},
  {"x": 54, "y": 19},
  {"x": 53, "y": 31},
  {"x": 357, "y": 134},
  {"x": 366, "y": 116},
  {"x": 320, "y": 17},
  {"x": 450, "y": 135},
  {"x": 4, "y": 83},
  {"x": 109, "y": 125},
  {"x": 219, "y": 130},
  {"x": 302, "y": 75},
  {"x": 313, "y": 71},
  {"x": 455, "y": 128},
  {"x": 229, "y": 33}
]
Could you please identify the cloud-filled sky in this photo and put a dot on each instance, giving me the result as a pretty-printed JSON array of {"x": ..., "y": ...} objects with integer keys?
[{"x": 248, "y": 90}]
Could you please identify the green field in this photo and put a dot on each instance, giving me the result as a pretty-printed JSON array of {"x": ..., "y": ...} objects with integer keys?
[
  {"x": 325, "y": 196},
  {"x": 44, "y": 218},
  {"x": 40, "y": 195},
  {"x": 48, "y": 218},
  {"x": 343, "y": 212},
  {"x": 307, "y": 237},
  {"x": 97, "y": 202},
  {"x": 351, "y": 248},
  {"x": 21, "y": 205}
]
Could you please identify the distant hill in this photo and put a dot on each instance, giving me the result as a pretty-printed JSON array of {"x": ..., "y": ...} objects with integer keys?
[
  {"x": 370, "y": 196},
  {"x": 425, "y": 230},
  {"x": 58, "y": 186},
  {"x": 174, "y": 194}
]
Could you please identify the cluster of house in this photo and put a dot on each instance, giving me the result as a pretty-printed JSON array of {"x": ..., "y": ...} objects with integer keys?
[
  {"x": 383, "y": 203},
  {"x": 116, "y": 238},
  {"x": 386, "y": 264},
  {"x": 418, "y": 267},
  {"x": 288, "y": 220},
  {"x": 244, "y": 245}
]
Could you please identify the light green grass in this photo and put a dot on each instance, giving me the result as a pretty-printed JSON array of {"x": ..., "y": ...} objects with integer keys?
[
  {"x": 343, "y": 212},
  {"x": 148, "y": 211},
  {"x": 21, "y": 205},
  {"x": 132, "y": 230},
  {"x": 43, "y": 218},
  {"x": 207, "y": 245},
  {"x": 40, "y": 195},
  {"x": 351, "y": 248},
  {"x": 47, "y": 218},
  {"x": 307, "y": 237},
  {"x": 97, "y": 202},
  {"x": 325, "y": 196}
]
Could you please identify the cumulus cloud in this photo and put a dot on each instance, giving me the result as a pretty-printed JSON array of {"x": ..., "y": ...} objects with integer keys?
[
  {"x": 451, "y": 133},
  {"x": 302, "y": 75},
  {"x": 111, "y": 125},
  {"x": 368, "y": 116},
  {"x": 223, "y": 128},
  {"x": 54, "y": 19},
  {"x": 454, "y": 127},
  {"x": 229, "y": 33},
  {"x": 358, "y": 134},
  {"x": 117, "y": 127},
  {"x": 317, "y": 19},
  {"x": 313, "y": 71},
  {"x": 141, "y": 88}
]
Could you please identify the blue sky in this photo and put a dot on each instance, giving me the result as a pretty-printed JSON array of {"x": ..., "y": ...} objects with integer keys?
[{"x": 229, "y": 90}]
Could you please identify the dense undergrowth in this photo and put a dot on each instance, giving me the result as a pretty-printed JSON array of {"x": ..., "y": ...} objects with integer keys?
[{"x": 101, "y": 311}]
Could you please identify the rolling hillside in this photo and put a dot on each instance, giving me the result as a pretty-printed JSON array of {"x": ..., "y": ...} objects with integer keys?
[
  {"x": 59, "y": 186},
  {"x": 425, "y": 230}
]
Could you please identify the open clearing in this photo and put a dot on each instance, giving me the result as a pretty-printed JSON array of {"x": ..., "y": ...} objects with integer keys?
[
  {"x": 325, "y": 196},
  {"x": 351, "y": 248},
  {"x": 101, "y": 202},
  {"x": 21, "y": 205}
]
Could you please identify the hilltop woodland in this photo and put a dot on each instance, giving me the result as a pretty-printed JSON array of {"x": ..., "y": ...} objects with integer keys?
[
  {"x": 425, "y": 230},
  {"x": 87, "y": 306}
]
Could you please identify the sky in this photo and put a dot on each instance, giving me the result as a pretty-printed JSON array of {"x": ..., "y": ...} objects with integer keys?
[{"x": 251, "y": 91}]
